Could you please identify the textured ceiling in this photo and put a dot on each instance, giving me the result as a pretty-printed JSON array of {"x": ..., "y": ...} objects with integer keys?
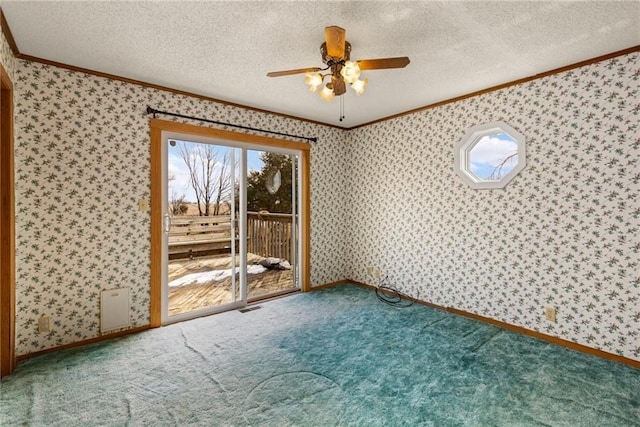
[{"x": 223, "y": 49}]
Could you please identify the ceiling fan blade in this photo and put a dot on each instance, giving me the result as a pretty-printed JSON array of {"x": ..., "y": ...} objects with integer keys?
[
  {"x": 378, "y": 64},
  {"x": 290, "y": 72},
  {"x": 335, "y": 38}
]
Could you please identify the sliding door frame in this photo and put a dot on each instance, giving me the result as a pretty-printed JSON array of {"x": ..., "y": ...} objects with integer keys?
[
  {"x": 7, "y": 229},
  {"x": 238, "y": 275},
  {"x": 157, "y": 127}
]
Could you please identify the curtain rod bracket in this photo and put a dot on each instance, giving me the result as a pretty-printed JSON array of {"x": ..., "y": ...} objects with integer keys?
[{"x": 151, "y": 111}]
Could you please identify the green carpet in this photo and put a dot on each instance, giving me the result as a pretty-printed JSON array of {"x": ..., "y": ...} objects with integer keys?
[{"x": 328, "y": 358}]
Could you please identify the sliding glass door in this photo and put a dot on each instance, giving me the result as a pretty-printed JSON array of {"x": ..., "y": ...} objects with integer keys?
[
  {"x": 272, "y": 204},
  {"x": 230, "y": 232}
]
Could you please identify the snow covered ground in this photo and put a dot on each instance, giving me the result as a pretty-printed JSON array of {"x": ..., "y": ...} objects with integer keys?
[{"x": 212, "y": 276}]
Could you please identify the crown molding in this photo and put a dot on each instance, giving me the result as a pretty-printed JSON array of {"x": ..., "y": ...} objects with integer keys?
[
  {"x": 4, "y": 25},
  {"x": 506, "y": 85},
  {"x": 168, "y": 89},
  {"x": 16, "y": 52}
]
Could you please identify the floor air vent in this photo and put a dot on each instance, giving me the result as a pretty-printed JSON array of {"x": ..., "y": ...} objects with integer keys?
[{"x": 248, "y": 309}]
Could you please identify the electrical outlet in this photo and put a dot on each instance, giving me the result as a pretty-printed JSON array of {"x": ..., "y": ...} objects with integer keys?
[
  {"x": 377, "y": 273},
  {"x": 44, "y": 324},
  {"x": 369, "y": 271},
  {"x": 550, "y": 314},
  {"x": 143, "y": 206}
]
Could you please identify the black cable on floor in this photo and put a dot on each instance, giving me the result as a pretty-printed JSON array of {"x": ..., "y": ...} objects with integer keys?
[{"x": 392, "y": 296}]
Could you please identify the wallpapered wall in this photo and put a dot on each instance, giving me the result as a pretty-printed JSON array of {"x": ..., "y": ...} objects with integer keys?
[
  {"x": 563, "y": 233},
  {"x": 82, "y": 162},
  {"x": 6, "y": 57}
]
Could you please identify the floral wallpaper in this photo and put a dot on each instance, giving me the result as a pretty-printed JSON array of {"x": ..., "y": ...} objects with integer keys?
[
  {"x": 83, "y": 162},
  {"x": 563, "y": 233},
  {"x": 7, "y": 59}
]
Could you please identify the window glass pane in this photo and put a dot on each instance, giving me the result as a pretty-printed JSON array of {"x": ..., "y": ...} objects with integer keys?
[{"x": 493, "y": 156}]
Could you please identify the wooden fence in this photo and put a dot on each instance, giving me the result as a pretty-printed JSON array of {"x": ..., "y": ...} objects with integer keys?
[{"x": 268, "y": 235}]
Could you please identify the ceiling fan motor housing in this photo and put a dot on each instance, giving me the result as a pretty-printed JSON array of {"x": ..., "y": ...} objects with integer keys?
[
  {"x": 335, "y": 64},
  {"x": 330, "y": 60}
]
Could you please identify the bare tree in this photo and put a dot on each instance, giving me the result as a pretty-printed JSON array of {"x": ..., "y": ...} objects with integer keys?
[
  {"x": 499, "y": 169},
  {"x": 224, "y": 182},
  {"x": 177, "y": 204},
  {"x": 209, "y": 178}
]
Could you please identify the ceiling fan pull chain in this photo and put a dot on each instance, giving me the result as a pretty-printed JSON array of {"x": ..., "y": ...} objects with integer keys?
[{"x": 341, "y": 108}]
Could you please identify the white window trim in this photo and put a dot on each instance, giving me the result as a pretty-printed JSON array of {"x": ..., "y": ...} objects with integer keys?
[{"x": 473, "y": 135}]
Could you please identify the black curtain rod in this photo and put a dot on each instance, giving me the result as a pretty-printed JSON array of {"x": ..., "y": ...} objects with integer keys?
[{"x": 154, "y": 112}]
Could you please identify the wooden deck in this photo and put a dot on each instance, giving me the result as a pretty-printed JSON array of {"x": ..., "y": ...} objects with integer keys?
[{"x": 198, "y": 296}]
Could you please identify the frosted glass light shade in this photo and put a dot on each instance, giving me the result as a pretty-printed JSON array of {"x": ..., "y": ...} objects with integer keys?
[
  {"x": 313, "y": 80},
  {"x": 350, "y": 72},
  {"x": 327, "y": 94},
  {"x": 359, "y": 86}
]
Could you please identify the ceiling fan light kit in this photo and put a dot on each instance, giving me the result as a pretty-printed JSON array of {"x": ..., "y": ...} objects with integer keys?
[
  {"x": 350, "y": 72},
  {"x": 336, "y": 53},
  {"x": 327, "y": 93}
]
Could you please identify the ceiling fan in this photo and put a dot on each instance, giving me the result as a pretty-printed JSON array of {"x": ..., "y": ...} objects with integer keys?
[{"x": 336, "y": 53}]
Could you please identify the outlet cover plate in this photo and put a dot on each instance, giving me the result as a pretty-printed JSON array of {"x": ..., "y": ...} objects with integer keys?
[{"x": 550, "y": 314}]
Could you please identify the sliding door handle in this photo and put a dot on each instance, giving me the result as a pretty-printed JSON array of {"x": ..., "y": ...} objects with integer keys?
[{"x": 167, "y": 223}]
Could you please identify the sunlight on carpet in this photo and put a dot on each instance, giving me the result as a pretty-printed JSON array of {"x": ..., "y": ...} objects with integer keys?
[{"x": 328, "y": 358}]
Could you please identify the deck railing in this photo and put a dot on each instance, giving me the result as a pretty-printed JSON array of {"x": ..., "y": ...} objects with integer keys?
[
  {"x": 196, "y": 235},
  {"x": 268, "y": 235}
]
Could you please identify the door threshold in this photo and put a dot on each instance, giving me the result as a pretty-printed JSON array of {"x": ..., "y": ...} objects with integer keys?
[
  {"x": 273, "y": 295},
  {"x": 190, "y": 315}
]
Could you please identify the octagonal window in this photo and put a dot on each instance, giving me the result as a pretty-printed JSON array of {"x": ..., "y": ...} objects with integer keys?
[{"x": 490, "y": 155}]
